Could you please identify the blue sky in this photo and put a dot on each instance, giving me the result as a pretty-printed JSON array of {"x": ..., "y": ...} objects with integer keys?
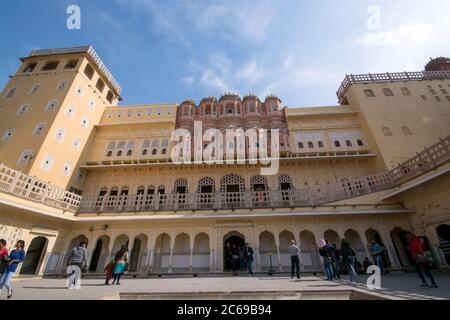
[{"x": 172, "y": 50}]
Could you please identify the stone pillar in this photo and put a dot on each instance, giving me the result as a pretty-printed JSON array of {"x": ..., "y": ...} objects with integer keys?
[
  {"x": 277, "y": 244},
  {"x": 172, "y": 244},
  {"x": 191, "y": 245}
]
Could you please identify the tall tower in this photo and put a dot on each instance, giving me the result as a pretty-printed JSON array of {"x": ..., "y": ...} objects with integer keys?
[{"x": 48, "y": 111}]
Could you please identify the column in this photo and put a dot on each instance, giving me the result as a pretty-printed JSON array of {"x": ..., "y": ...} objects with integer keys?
[
  {"x": 277, "y": 244},
  {"x": 191, "y": 244},
  {"x": 172, "y": 244}
]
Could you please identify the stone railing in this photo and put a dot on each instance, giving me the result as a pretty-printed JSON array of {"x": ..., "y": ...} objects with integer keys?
[
  {"x": 423, "y": 162},
  {"x": 389, "y": 77},
  {"x": 24, "y": 186}
]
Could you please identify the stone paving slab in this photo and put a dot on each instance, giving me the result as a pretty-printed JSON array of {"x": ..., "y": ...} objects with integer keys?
[{"x": 395, "y": 286}]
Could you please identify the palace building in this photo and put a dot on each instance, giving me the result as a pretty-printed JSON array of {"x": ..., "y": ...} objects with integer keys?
[{"x": 77, "y": 166}]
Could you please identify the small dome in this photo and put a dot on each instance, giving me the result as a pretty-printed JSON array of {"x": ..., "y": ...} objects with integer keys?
[
  {"x": 251, "y": 96},
  {"x": 271, "y": 97},
  {"x": 230, "y": 96},
  {"x": 438, "y": 64},
  {"x": 187, "y": 102},
  {"x": 208, "y": 100}
]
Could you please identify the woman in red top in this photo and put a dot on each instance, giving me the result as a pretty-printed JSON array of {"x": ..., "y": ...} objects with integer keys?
[
  {"x": 417, "y": 247},
  {"x": 3, "y": 256}
]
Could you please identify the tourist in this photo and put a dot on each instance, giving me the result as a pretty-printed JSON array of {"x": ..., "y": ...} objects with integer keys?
[
  {"x": 422, "y": 260},
  {"x": 77, "y": 257},
  {"x": 294, "y": 252},
  {"x": 249, "y": 259},
  {"x": 3, "y": 257},
  {"x": 347, "y": 259},
  {"x": 326, "y": 260},
  {"x": 120, "y": 262},
  {"x": 235, "y": 259},
  {"x": 15, "y": 257},
  {"x": 336, "y": 261},
  {"x": 358, "y": 266},
  {"x": 377, "y": 252},
  {"x": 109, "y": 271},
  {"x": 444, "y": 245},
  {"x": 366, "y": 264},
  {"x": 241, "y": 258}
]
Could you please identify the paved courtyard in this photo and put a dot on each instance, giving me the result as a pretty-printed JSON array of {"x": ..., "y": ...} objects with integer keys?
[{"x": 395, "y": 286}]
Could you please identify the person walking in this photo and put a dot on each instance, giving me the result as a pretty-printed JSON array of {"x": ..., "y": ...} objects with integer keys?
[
  {"x": 376, "y": 251},
  {"x": 294, "y": 252},
  {"x": 3, "y": 256},
  {"x": 348, "y": 256},
  {"x": 249, "y": 259},
  {"x": 422, "y": 260},
  {"x": 120, "y": 262},
  {"x": 326, "y": 259},
  {"x": 77, "y": 257},
  {"x": 235, "y": 262},
  {"x": 15, "y": 258},
  {"x": 109, "y": 272}
]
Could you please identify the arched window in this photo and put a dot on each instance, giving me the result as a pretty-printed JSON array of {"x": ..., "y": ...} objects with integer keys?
[
  {"x": 320, "y": 143},
  {"x": 109, "y": 154},
  {"x": 349, "y": 143},
  {"x": 181, "y": 186},
  {"x": 232, "y": 183},
  {"x": 164, "y": 151},
  {"x": 154, "y": 151},
  {"x": 360, "y": 143},
  {"x": 285, "y": 182},
  {"x": 310, "y": 144},
  {"x": 258, "y": 183},
  {"x": 301, "y": 145},
  {"x": 206, "y": 185},
  {"x": 144, "y": 152},
  {"x": 337, "y": 144}
]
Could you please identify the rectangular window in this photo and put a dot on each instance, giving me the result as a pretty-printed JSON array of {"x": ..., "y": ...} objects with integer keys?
[
  {"x": 387, "y": 132},
  {"x": 47, "y": 162},
  {"x": 30, "y": 67},
  {"x": 39, "y": 129},
  {"x": 89, "y": 71},
  {"x": 100, "y": 85},
  {"x": 437, "y": 98},
  {"x": 50, "y": 65},
  {"x": 369, "y": 93},
  {"x": 22, "y": 110},
  {"x": 59, "y": 135},
  {"x": 424, "y": 97},
  {"x": 34, "y": 89},
  {"x": 405, "y": 91},
  {"x": 62, "y": 85},
  {"x": 10, "y": 92},
  {"x": 109, "y": 96},
  {"x": 406, "y": 131},
  {"x": 71, "y": 64},
  {"x": 51, "y": 105},
  {"x": 388, "y": 92}
]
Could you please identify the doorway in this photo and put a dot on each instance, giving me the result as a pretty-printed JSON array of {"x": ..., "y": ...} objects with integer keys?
[
  {"x": 230, "y": 240},
  {"x": 96, "y": 255},
  {"x": 34, "y": 256}
]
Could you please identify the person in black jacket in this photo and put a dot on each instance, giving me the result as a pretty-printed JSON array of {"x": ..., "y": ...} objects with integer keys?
[
  {"x": 235, "y": 260},
  {"x": 248, "y": 256}
]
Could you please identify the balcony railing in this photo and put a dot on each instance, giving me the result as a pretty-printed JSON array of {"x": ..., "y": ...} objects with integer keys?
[
  {"x": 389, "y": 77},
  {"x": 24, "y": 186},
  {"x": 423, "y": 162}
]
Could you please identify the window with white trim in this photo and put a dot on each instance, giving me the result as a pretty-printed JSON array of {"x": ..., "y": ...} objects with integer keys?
[
  {"x": 92, "y": 103},
  {"x": 22, "y": 110},
  {"x": 47, "y": 162},
  {"x": 66, "y": 169},
  {"x": 39, "y": 129},
  {"x": 51, "y": 106},
  {"x": 11, "y": 92},
  {"x": 70, "y": 112},
  {"x": 60, "y": 134},
  {"x": 34, "y": 89},
  {"x": 62, "y": 85},
  {"x": 76, "y": 143},
  {"x": 25, "y": 157},
  {"x": 8, "y": 134},
  {"x": 84, "y": 122},
  {"x": 79, "y": 92}
]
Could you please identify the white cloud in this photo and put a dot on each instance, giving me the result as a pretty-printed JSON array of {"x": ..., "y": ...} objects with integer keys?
[
  {"x": 188, "y": 80},
  {"x": 214, "y": 82},
  {"x": 251, "y": 72}
]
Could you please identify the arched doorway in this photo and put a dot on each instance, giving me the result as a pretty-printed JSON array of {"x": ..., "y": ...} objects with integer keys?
[
  {"x": 268, "y": 252},
  {"x": 310, "y": 254},
  {"x": 286, "y": 238},
  {"x": 181, "y": 253},
  {"x": 400, "y": 241},
  {"x": 138, "y": 252},
  {"x": 372, "y": 234},
  {"x": 443, "y": 232},
  {"x": 100, "y": 255},
  {"x": 161, "y": 259},
  {"x": 75, "y": 242},
  {"x": 34, "y": 256},
  {"x": 232, "y": 238},
  {"x": 332, "y": 237},
  {"x": 201, "y": 253}
]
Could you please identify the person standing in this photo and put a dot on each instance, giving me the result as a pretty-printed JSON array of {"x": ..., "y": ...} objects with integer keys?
[
  {"x": 242, "y": 258},
  {"x": 120, "y": 262},
  {"x": 336, "y": 258},
  {"x": 249, "y": 259},
  {"x": 376, "y": 252},
  {"x": 422, "y": 260},
  {"x": 78, "y": 258},
  {"x": 348, "y": 254},
  {"x": 326, "y": 260},
  {"x": 109, "y": 272},
  {"x": 294, "y": 252},
  {"x": 15, "y": 258},
  {"x": 235, "y": 262}
]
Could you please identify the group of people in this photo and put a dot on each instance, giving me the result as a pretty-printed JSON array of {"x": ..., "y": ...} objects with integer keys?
[
  {"x": 240, "y": 258},
  {"x": 9, "y": 261},
  {"x": 113, "y": 270}
]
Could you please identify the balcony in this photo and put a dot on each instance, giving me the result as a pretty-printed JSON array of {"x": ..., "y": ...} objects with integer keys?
[
  {"x": 16, "y": 183},
  {"x": 388, "y": 77},
  {"x": 423, "y": 162}
]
